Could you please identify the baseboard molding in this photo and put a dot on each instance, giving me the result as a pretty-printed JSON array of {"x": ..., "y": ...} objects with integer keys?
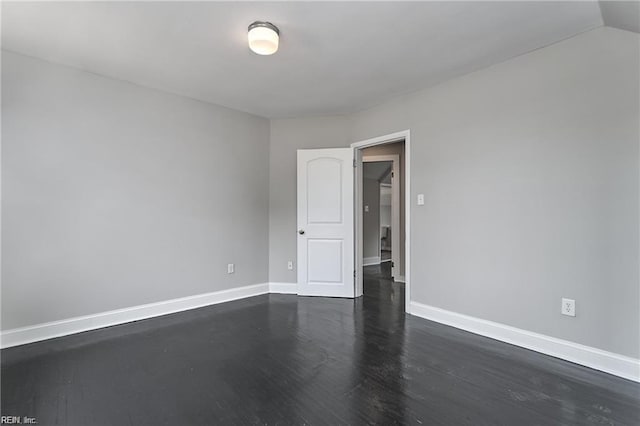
[
  {"x": 609, "y": 362},
  {"x": 49, "y": 330},
  {"x": 619, "y": 365},
  {"x": 370, "y": 261},
  {"x": 283, "y": 288}
]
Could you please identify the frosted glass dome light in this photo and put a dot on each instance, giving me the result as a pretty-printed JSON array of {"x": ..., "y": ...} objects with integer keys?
[{"x": 263, "y": 38}]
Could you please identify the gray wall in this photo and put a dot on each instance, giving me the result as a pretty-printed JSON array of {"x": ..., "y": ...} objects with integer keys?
[
  {"x": 371, "y": 218},
  {"x": 530, "y": 173},
  {"x": 115, "y": 195},
  {"x": 291, "y": 135}
]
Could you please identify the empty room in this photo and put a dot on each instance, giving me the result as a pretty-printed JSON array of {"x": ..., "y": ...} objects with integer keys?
[{"x": 320, "y": 213}]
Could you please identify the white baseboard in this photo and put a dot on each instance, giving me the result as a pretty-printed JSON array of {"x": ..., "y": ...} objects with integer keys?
[
  {"x": 49, "y": 330},
  {"x": 369, "y": 261},
  {"x": 399, "y": 279},
  {"x": 619, "y": 365},
  {"x": 609, "y": 362},
  {"x": 283, "y": 288}
]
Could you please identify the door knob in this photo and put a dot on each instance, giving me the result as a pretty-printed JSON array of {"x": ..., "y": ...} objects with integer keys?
[{"x": 301, "y": 232}]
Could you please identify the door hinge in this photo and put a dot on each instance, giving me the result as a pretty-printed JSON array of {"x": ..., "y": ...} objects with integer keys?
[
  {"x": 354, "y": 273},
  {"x": 354, "y": 163},
  {"x": 391, "y": 174},
  {"x": 393, "y": 265}
]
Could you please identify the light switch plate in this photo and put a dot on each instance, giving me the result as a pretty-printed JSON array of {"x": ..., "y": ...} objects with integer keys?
[
  {"x": 231, "y": 268},
  {"x": 421, "y": 199}
]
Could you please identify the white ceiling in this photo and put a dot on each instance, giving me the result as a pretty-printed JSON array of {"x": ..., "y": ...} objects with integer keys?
[{"x": 334, "y": 58}]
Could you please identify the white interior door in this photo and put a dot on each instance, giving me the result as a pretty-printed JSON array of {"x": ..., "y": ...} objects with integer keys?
[{"x": 325, "y": 222}]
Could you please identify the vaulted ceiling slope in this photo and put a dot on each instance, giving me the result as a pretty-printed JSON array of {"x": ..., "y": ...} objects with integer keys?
[{"x": 334, "y": 58}]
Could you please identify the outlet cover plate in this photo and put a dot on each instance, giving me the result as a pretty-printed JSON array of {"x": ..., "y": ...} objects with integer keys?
[{"x": 568, "y": 307}]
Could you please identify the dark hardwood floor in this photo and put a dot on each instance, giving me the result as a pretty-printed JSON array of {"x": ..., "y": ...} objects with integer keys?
[{"x": 280, "y": 359}]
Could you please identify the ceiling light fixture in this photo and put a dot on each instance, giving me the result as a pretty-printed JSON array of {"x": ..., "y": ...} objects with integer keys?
[{"x": 263, "y": 38}]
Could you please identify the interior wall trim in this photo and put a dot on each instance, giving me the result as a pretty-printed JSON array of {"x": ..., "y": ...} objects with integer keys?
[
  {"x": 50, "y": 330},
  {"x": 609, "y": 362},
  {"x": 598, "y": 359}
]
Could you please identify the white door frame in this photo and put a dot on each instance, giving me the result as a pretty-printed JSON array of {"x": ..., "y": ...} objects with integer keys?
[
  {"x": 357, "y": 151},
  {"x": 395, "y": 207}
]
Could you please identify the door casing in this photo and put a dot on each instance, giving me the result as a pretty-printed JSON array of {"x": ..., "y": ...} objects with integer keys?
[{"x": 358, "y": 238}]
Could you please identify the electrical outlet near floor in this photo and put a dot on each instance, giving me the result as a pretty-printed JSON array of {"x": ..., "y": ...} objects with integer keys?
[
  {"x": 231, "y": 268},
  {"x": 290, "y": 265},
  {"x": 568, "y": 307}
]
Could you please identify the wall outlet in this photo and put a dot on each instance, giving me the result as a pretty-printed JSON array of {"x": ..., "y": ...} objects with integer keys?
[
  {"x": 231, "y": 268},
  {"x": 290, "y": 265},
  {"x": 366, "y": 209},
  {"x": 421, "y": 199},
  {"x": 568, "y": 307}
]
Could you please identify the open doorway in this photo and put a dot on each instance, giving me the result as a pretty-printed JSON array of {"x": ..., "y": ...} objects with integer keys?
[
  {"x": 330, "y": 218},
  {"x": 381, "y": 211},
  {"x": 381, "y": 219}
]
